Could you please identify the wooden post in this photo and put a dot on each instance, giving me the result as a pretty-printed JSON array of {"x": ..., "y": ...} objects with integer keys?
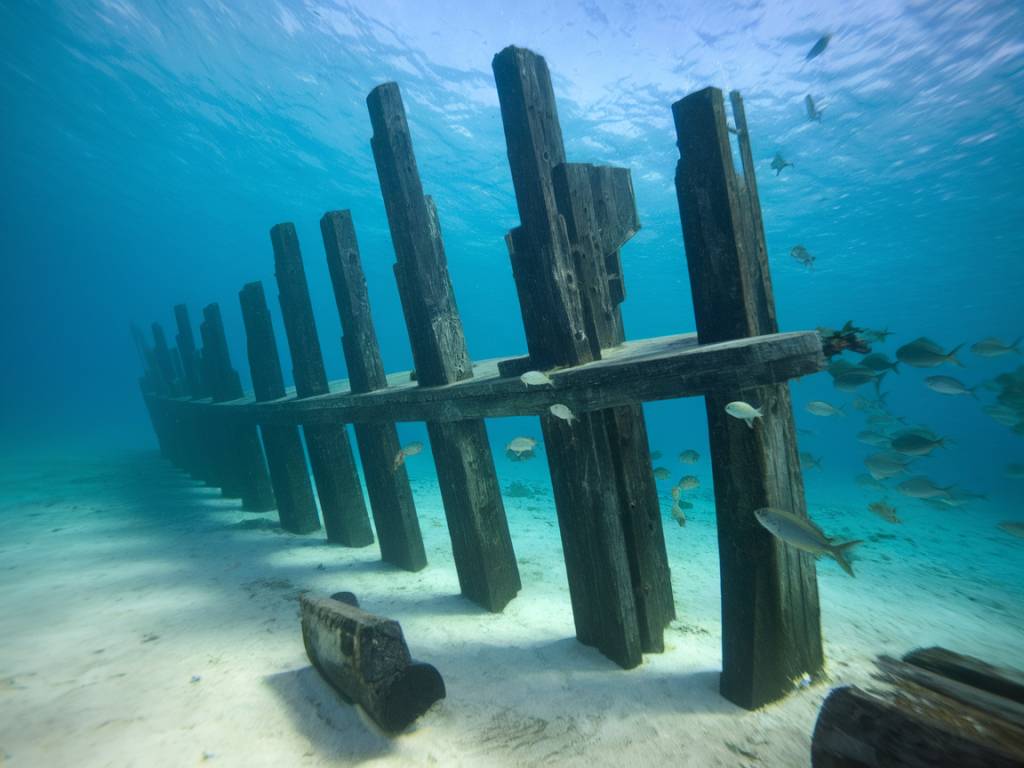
[
  {"x": 189, "y": 356},
  {"x": 481, "y": 545},
  {"x": 771, "y": 631},
  {"x": 242, "y": 456},
  {"x": 607, "y": 505},
  {"x": 330, "y": 453},
  {"x": 394, "y": 512},
  {"x": 286, "y": 460},
  {"x": 162, "y": 357}
]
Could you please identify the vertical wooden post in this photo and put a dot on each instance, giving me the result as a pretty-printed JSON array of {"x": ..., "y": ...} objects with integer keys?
[
  {"x": 600, "y": 468},
  {"x": 330, "y": 453},
  {"x": 222, "y": 460},
  {"x": 189, "y": 356},
  {"x": 149, "y": 385},
  {"x": 771, "y": 631},
  {"x": 481, "y": 545},
  {"x": 242, "y": 456},
  {"x": 394, "y": 512},
  {"x": 286, "y": 460},
  {"x": 162, "y": 356}
]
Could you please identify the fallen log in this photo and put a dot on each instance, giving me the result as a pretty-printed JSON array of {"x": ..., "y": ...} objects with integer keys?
[{"x": 365, "y": 658}]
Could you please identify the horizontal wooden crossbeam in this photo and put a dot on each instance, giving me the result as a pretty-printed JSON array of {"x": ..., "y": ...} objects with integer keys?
[{"x": 661, "y": 368}]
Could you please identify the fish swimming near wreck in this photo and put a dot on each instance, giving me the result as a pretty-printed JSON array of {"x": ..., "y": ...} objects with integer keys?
[
  {"x": 925, "y": 353},
  {"x": 822, "y": 408},
  {"x": 521, "y": 447},
  {"x": 992, "y": 347},
  {"x": 536, "y": 379},
  {"x": 744, "y": 411},
  {"x": 947, "y": 385},
  {"x": 689, "y": 456},
  {"x": 813, "y": 113},
  {"x": 804, "y": 535},
  {"x": 802, "y": 255},
  {"x": 885, "y": 511},
  {"x": 412, "y": 449},
  {"x": 920, "y": 487},
  {"x": 779, "y": 162}
]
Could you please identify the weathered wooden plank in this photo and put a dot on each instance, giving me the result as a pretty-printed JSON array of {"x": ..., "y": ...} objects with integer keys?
[
  {"x": 366, "y": 659},
  {"x": 662, "y": 368},
  {"x": 617, "y": 569},
  {"x": 481, "y": 545},
  {"x": 330, "y": 453},
  {"x": 910, "y": 728},
  {"x": 771, "y": 631},
  {"x": 1008, "y": 683},
  {"x": 162, "y": 357},
  {"x": 241, "y": 456},
  {"x": 391, "y": 500},
  {"x": 286, "y": 460},
  {"x": 189, "y": 356}
]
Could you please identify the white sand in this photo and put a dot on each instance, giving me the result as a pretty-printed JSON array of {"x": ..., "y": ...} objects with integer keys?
[{"x": 140, "y": 626}]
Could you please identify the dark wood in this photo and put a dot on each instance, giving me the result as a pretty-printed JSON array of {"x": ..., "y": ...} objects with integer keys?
[
  {"x": 366, "y": 659},
  {"x": 771, "y": 632},
  {"x": 189, "y": 356},
  {"x": 162, "y": 357},
  {"x": 617, "y": 566},
  {"x": 391, "y": 500},
  {"x": 481, "y": 544},
  {"x": 241, "y": 455},
  {"x": 286, "y": 460},
  {"x": 1001, "y": 681},
  {"x": 910, "y": 728},
  {"x": 330, "y": 453}
]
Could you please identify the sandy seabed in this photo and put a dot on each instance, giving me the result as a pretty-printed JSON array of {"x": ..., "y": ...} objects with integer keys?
[{"x": 145, "y": 621}]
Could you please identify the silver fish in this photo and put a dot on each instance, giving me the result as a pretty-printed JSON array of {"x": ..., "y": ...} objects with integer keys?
[
  {"x": 809, "y": 461},
  {"x": 916, "y": 443},
  {"x": 661, "y": 473},
  {"x": 876, "y": 361},
  {"x": 992, "y": 347},
  {"x": 821, "y": 408},
  {"x": 745, "y": 411},
  {"x": 920, "y": 487},
  {"x": 801, "y": 533},
  {"x": 886, "y": 464},
  {"x": 857, "y": 377},
  {"x": 947, "y": 385},
  {"x": 536, "y": 379},
  {"x": 925, "y": 353},
  {"x": 562, "y": 412},
  {"x": 689, "y": 456},
  {"x": 521, "y": 445},
  {"x": 876, "y": 439},
  {"x": 688, "y": 482},
  {"x": 867, "y": 481}
]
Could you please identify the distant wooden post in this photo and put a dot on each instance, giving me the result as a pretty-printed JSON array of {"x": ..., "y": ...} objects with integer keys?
[
  {"x": 189, "y": 356},
  {"x": 771, "y": 630},
  {"x": 481, "y": 545},
  {"x": 162, "y": 356},
  {"x": 569, "y": 283},
  {"x": 150, "y": 386},
  {"x": 394, "y": 512},
  {"x": 286, "y": 460},
  {"x": 242, "y": 456},
  {"x": 330, "y": 453}
]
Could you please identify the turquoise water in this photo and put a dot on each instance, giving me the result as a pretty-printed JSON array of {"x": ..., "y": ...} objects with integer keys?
[{"x": 148, "y": 148}]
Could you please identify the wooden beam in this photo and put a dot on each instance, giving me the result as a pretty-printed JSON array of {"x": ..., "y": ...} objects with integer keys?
[
  {"x": 600, "y": 466},
  {"x": 241, "y": 455},
  {"x": 481, "y": 545},
  {"x": 1008, "y": 683},
  {"x": 771, "y": 632},
  {"x": 296, "y": 505},
  {"x": 187, "y": 349},
  {"x": 394, "y": 512},
  {"x": 649, "y": 370},
  {"x": 330, "y": 453}
]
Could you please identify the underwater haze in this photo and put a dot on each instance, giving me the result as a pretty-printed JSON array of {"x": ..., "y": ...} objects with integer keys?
[{"x": 149, "y": 147}]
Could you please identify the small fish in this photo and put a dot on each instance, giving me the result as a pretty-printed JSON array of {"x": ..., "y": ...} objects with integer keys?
[
  {"x": 678, "y": 515},
  {"x": 810, "y": 461},
  {"x": 821, "y": 408},
  {"x": 867, "y": 481},
  {"x": 778, "y": 163},
  {"x": 916, "y": 443},
  {"x": 689, "y": 456},
  {"x": 925, "y": 353},
  {"x": 804, "y": 535},
  {"x": 1002, "y": 414},
  {"x": 920, "y": 487},
  {"x": 676, "y": 492},
  {"x": 521, "y": 446},
  {"x": 813, "y": 113},
  {"x": 1015, "y": 471},
  {"x": 873, "y": 334},
  {"x": 802, "y": 255},
  {"x": 959, "y": 497},
  {"x": 688, "y": 482},
  {"x": 536, "y": 379},
  {"x": 857, "y": 377},
  {"x": 947, "y": 385},
  {"x": 745, "y": 411},
  {"x": 884, "y": 420},
  {"x": 876, "y": 439},
  {"x": 886, "y": 464},
  {"x": 562, "y": 412},
  {"x": 661, "y": 473},
  {"x": 992, "y": 347},
  {"x": 885, "y": 511},
  {"x": 818, "y": 48},
  {"x": 1012, "y": 528},
  {"x": 412, "y": 449},
  {"x": 876, "y": 361},
  {"x": 655, "y": 455},
  {"x": 839, "y": 366}
]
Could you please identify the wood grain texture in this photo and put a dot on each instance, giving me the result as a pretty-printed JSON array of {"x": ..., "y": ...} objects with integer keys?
[
  {"x": 330, "y": 451},
  {"x": 1001, "y": 681},
  {"x": 391, "y": 499},
  {"x": 771, "y": 630},
  {"x": 481, "y": 544},
  {"x": 286, "y": 460}
]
